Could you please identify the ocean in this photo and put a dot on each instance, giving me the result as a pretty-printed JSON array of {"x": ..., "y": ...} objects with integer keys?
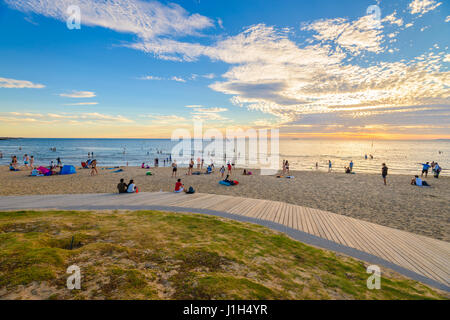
[{"x": 402, "y": 157}]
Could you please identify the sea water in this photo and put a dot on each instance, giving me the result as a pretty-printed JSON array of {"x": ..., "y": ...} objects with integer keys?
[{"x": 402, "y": 157}]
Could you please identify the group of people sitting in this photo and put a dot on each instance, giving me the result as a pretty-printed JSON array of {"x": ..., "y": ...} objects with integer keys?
[{"x": 127, "y": 188}]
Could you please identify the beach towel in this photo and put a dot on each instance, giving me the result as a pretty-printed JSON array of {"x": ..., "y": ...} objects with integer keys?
[
  {"x": 196, "y": 173},
  {"x": 148, "y": 173},
  {"x": 120, "y": 170},
  {"x": 44, "y": 170},
  {"x": 290, "y": 177},
  {"x": 35, "y": 173},
  {"x": 229, "y": 184}
]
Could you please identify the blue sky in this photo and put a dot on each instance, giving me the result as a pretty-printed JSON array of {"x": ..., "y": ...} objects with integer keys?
[{"x": 144, "y": 68}]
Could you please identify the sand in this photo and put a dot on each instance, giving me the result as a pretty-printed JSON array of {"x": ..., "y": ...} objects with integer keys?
[{"x": 424, "y": 211}]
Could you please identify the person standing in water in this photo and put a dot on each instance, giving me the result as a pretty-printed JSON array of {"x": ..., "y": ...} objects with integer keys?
[{"x": 384, "y": 172}]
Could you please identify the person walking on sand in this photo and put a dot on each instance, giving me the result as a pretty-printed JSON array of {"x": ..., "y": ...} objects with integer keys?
[
  {"x": 174, "y": 169},
  {"x": 425, "y": 168},
  {"x": 26, "y": 160},
  {"x": 94, "y": 170},
  {"x": 329, "y": 165},
  {"x": 384, "y": 172}
]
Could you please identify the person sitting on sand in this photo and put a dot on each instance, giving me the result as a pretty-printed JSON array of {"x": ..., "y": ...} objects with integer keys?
[
  {"x": 347, "y": 170},
  {"x": 246, "y": 173},
  {"x": 179, "y": 187},
  {"x": 209, "y": 170},
  {"x": 12, "y": 167},
  {"x": 416, "y": 181},
  {"x": 227, "y": 179},
  {"x": 131, "y": 187},
  {"x": 122, "y": 186}
]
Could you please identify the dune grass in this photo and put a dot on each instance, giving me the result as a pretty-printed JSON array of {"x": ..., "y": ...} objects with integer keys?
[{"x": 159, "y": 255}]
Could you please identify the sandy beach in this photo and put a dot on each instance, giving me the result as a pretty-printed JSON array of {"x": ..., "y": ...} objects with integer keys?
[{"x": 424, "y": 211}]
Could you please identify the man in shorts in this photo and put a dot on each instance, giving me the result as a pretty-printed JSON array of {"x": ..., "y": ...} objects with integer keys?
[{"x": 384, "y": 172}]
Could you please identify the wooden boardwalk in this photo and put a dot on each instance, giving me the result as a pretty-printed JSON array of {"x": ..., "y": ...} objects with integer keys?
[{"x": 427, "y": 257}]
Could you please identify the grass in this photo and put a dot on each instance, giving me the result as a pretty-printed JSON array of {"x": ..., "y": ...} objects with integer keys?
[{"x": 158, "y": 255}]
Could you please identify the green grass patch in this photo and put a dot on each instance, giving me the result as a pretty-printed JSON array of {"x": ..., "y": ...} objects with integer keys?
[{"x": 157, "y": 255}]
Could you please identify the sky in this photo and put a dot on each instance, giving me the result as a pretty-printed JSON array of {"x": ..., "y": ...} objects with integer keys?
[{"x": 141, "y": 69}]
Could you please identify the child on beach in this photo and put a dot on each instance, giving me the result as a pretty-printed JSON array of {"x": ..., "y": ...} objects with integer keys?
[
  {"x": 222, "y": 171},
  {"x": 229, "y": 167},
  {"x": 384, "y": 172},
  {"x": 32, "y": 162}
]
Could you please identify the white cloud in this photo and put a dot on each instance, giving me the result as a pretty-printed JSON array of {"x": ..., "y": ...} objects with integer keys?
[
  {"x": 13, "y": 83},
  {"x": 71, "y": 118},
  {"x": 177, "y": 79},
  {"x": 364, "y": 34},
  {"x": 203, "y": 113},
  {"x": 81, "y": 104},
  {"x": 423, "y": 6},
  {"x": 173, "y": 78},
  {"x": 447, "y": 19},
  {"x": 146, "y": 19},
  {"x": 78, "y": 94},
  {"x": 392, "y": 19}
]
